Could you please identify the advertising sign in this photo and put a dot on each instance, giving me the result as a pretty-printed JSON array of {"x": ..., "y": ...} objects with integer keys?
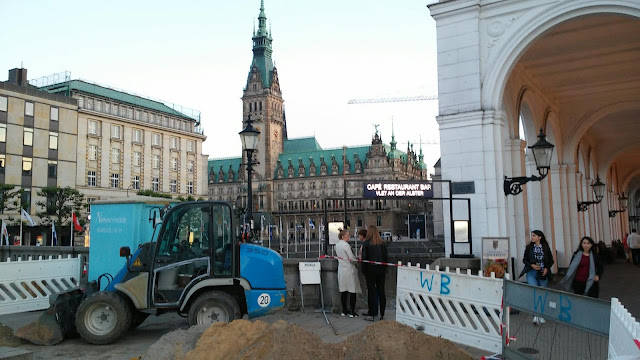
[
  {"x": 398, "y": 189},
  {"x": 495, "y": 256},
  {"x": 417, "y": 226},
  {"x": 334, "y": 231}
]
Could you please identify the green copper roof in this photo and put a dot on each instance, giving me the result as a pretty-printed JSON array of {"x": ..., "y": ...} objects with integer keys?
[
  {"x": 104, "y": 92},
  {"x": 215, "y": 164},
  {"x": 316, "y": 155},
  {"x": 301, "y": 144},
  {"x": 262, "y": 50}
]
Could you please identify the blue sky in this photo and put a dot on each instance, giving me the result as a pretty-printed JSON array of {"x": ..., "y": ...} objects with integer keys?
[{"x": 197, "y": 54}]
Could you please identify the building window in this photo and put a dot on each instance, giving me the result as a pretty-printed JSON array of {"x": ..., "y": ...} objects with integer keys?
[
  {"x": 80, "y": 102},
  {"x": 3, "y": 133},
  {"x": 156, "y": 162},
  {"x": 137, "y": 114},
  {"x": 28, "y": 109},
  {"x": 2, "y": 164},
  {"x": 116, "y": 131},
  {"x": 174, "y": 164},
  {"x": 98, "y": 106},
  {"x": 190, "y": 187},
  {"x": 157, "y": 139},
  {"x": 130, "y": 113},
  {"x": 26, "y": 166},
  {"x": 173, "y": 186},
  {"x": 123, "y": 111},
  {"x": 93, "y": 152},
  {"x": 378, "y": 220},
  {"x": 155, "y": 184},
  {"x": 174, "y": 143},
  {"x": 52, "y": 169},
  {"x": 28, "y": 137},
  {"x": 94, "y": 127},
  {"x": 190, "y": 166},
  {"x": 115, "y": 181},
  {"x": 26, "y": 200},
  {"x": 115, "y": 156},
  {"x": 3, "y": 103},
  {"x": 137, "y": 135},
  {"x": 135, "y": 183},
  {"x": 359, "y": 221},
  {"x": 137, "y": 158},
  {"x": 91, "y": 178},
  {"x": 54, "y": 114},
  {"x": 53, "y": 141},
  {"x": 107, "y": 107},
  {"x": 114, "y": 109},
  {"x": 191, "y": 146}
]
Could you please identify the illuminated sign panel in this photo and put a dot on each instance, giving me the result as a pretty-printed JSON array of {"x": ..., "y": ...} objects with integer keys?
[{"x": 398, "y": 189}]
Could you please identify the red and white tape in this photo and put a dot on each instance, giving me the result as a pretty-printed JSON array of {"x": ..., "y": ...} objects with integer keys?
[{"x": 362, "y": 261}]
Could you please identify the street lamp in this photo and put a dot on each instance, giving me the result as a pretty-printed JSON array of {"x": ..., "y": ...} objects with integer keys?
[
  {"x": 624, "y": 202},
  {"x": 598, "y": 190},
  {"x": 249, "y": 136},
  {"x": 542, "y": 151}
]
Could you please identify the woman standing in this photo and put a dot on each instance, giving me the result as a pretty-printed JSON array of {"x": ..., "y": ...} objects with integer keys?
[
  {"x": 537, "y": 263},
  {"x": 585, "y": 270},
  {"x": 374, "y": 249},
  {"x": 347, "y": 274},
  {"x": 362, "y": 236}
]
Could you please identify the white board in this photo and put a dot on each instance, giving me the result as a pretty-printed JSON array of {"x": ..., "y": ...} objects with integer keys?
[
  {"x": 309, "y": 273},
  {"x": 334, "y": 231}
]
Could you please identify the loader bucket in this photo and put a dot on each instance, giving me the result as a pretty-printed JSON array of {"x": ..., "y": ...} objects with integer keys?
[{"x": 55, "y": 324}]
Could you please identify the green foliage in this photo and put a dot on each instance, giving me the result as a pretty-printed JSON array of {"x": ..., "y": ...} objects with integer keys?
[
  {"x": 9, "y": 198},
  {"x": 189, "y": 198},
  {"x": 58, "y": 205},
  {"x": 153, "y": 194}
]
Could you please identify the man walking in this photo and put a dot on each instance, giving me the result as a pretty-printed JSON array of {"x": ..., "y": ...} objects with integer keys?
[{"x": 634, "y": 243}]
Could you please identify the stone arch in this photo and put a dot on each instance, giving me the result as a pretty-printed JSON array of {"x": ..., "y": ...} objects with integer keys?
[
  {"x": 532, "y": 26},
  {"x": 628, "y": 178}
]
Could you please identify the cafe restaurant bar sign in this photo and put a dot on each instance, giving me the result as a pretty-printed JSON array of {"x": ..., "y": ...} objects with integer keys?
[{"x": 398, "y": 189}]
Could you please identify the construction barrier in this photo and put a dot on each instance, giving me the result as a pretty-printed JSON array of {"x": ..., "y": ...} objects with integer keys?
[
  {"x": 26, "y": 285},
  {"x": 624, "y": 332},
  {"x": 463, "y": 308}
]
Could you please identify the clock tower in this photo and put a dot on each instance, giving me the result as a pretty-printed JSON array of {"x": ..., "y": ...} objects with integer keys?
[{"x": 262, "y": 101}]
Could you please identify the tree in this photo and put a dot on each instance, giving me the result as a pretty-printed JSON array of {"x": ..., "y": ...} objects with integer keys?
[
  {"x": 58, "y": 205},
  {"x": 8, "y": 200}
]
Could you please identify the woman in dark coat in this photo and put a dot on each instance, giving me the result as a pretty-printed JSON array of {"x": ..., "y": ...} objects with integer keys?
[
  {"x": 374, "y": 249},
  {"x": 585, "y": 270},
  {"x": 537, "y": 263}
]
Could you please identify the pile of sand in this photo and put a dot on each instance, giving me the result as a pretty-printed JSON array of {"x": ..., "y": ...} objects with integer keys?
[
  {"x": 242, "y": 339},
  {"x": 176, "y": 344},
  {"x": 7, "y": 338}
]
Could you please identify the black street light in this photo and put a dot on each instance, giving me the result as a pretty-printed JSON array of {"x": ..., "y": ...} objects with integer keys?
[
  {"x": 249, "y": 137},
  {"x": 624, "y": 203},
  {"x": 542, "y": 151},
  {"x": 598, "y": 190}
]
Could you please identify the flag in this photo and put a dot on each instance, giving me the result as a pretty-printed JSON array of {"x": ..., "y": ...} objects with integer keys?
[
  {"x": 311, "y": 225},
  {"x": 76, "y": 223},
  {"x": 4, "y": 234},
  {"x": 54, "y": 236},
  {"x": 25, "y": 216},
  {"x": 261, "y": 223}
]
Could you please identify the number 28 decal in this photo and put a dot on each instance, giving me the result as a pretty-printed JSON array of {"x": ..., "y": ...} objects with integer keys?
[{"x": 264, "y": 300}]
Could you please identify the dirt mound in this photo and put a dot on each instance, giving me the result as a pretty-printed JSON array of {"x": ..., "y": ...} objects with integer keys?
[
  {"x": 7, "y": 338},
  {"x": 176, "y": 344},
  {"x": 392, "y": 340},
  {"x": 242, "y": 339}
]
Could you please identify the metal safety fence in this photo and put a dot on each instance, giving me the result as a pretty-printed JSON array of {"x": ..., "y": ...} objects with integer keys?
[{"x": 549, "y": 324}]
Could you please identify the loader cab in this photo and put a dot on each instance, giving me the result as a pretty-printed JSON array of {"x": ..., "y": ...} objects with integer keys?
[{"x": 195, "y": 242}]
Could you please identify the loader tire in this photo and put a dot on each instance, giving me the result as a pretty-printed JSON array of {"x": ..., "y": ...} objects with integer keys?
[
  {"x": 103, "y": 317},
  {"x": 212, "y": 307}
]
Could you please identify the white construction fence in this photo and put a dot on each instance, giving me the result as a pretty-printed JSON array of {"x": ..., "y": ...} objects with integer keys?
[
  {"x": 26, "y": 285},
  {"x": 461, "y": 307},
  {"x": 624, "y": 331}
]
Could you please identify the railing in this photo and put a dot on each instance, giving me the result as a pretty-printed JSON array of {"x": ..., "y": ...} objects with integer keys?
[
  {"x": 24, "y": 253},
  {"x": 624, "y": 332},
  {"x": 26, "y": 285}
]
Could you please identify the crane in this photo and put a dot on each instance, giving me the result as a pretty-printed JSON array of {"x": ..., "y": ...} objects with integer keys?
[{"x": 392, "y": 99}]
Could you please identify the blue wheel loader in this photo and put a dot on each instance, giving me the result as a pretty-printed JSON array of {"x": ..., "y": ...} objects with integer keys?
[{"x": 195, "y": 266}]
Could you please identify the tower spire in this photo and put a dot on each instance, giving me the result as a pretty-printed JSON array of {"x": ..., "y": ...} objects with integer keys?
[
  {"x": 393, "y": 136},
  {"x": 262, "y": 49}
]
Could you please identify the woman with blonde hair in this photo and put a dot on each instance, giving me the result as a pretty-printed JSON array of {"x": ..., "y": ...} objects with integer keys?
[
  {"x": 347, "y": 274},
  {"x": 374, "y": 249}
]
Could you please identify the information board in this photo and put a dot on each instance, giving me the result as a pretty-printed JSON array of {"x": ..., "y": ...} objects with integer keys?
[
  {"x": 334, "y": 231},
  {"x": 495, "y": 256}
]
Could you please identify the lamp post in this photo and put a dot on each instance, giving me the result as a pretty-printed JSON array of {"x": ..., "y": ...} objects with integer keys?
[
  {"x": 542, "y": 151},
  {"x": 598, "y": 190},
  {"x": 249, "y": 136},
  {"x": 624, "y": 202}
]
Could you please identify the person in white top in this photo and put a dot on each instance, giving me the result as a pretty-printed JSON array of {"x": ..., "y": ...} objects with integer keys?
[
  {"x": 634, "y": 243},
  {"x": 347, "y": 274}
]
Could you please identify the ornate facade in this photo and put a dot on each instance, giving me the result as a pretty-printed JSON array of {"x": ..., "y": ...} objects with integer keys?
[{"x": 295, "y": 175}]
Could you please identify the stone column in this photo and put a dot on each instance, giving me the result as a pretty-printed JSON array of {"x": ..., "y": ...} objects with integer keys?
[
  {"x": 571, "y": 218},
  {"x": 518, "y": 205},
  {"x": 557, "y": 183}
]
